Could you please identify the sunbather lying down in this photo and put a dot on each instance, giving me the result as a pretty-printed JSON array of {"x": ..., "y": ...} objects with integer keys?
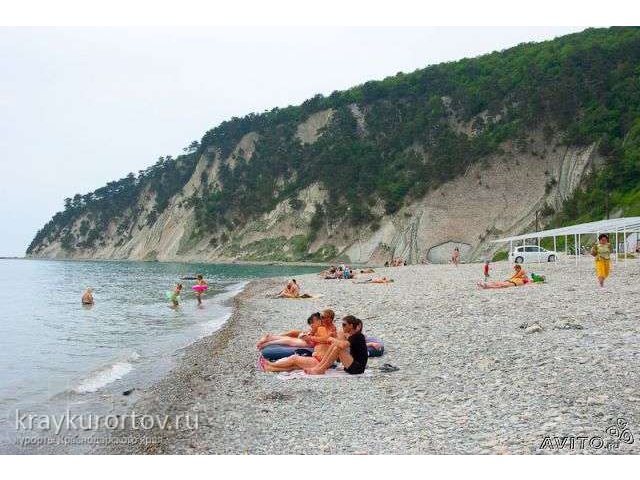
[
  {"x": 517, "y": 279},
  {"x": 378, "y": 280},
  {"x": 296, "y": 338}
]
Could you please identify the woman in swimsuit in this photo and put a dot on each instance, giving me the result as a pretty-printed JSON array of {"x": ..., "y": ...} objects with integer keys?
[
  {"x": 602, "y": 253},
  {"x": 517, "y": 279},
  {"x": 299, "y": 362},
  {"x": 294, "y": 338},
  {"x": 350, "y": 348},
  {"x": 455, "y": 257}
]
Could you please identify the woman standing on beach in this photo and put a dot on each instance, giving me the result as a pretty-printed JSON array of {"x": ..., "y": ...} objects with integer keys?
[
  {"x": 455, "y": 257},
  {"x": 602, "y": 253}
]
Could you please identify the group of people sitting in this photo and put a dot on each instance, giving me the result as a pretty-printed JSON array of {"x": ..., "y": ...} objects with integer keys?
[
  {"x": 347, "y": 345},
  {"x": 341, "y": 272},
  {"x": 396, "y": 262},
  {"x": 518, "y": 278}
]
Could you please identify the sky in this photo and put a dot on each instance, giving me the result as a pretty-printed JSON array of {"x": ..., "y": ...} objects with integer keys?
[{"x": 83, "y": 106}]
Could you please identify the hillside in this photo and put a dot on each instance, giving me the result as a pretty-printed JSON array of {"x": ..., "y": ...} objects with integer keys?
[{"x": 455, "y": 153}]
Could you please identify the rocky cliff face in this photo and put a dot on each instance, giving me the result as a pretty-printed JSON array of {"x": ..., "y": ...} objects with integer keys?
[
  {"x": 456, "y": 154},
  {"x": 496, "y": 197}
]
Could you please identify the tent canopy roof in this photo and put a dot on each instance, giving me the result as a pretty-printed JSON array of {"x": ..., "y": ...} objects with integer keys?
[{"x": 630, "y": 224}]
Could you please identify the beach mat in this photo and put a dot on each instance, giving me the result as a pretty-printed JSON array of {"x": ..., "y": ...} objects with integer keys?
[
  {"x": 276, "y": 352},
  {"x": 311, "y": 296},
  {"x": 331, "y": 373}
]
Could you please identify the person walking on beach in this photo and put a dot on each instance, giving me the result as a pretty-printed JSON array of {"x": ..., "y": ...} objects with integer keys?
[
  {"x": 485, "y": 270},
  {"x": 87, "y": 297},
  {"x": 602, "y": 253},
  {"x": 455, "y": 257}
]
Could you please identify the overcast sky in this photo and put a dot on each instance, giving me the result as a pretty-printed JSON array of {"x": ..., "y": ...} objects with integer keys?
[{"x": 80, "y": 107}]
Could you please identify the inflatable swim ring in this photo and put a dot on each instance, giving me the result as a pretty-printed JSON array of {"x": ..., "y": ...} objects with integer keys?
[
  {"x": 276, "y": 352},
  {"x": 200, "y": 288}
]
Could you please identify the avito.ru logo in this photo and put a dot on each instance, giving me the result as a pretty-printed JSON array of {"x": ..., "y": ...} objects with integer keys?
[{"x": 619, "y": 430}]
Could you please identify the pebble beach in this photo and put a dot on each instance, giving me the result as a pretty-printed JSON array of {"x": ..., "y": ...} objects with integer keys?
[{"x": 480, "y": 371}]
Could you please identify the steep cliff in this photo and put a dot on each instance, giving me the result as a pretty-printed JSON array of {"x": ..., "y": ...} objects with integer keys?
[{"x": 455, "y": 154}]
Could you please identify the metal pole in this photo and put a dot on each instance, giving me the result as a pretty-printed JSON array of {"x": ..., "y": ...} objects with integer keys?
[
  {"x": 575, "y": 247},
  {"x": 555, "y": 248},
  {"x": 624, "y": 239},
  {"x": 510, "y": 251},
  {"x": 617, "y": 245}
]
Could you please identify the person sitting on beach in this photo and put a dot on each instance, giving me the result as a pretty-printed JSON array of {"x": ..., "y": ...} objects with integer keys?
[
  {"x": 320, "y": 342},
  {"x": 517, "y": 279},
  {"x": 297, "y": 338},
  {"x": 328, "y": 317},
  {"x": 292, "y": 290},
  {"x": 350, "y": 348},
  {"x": 87, "y": 297},
  {"x": 335, "y": 273},
  {"x": 347, "y": 273}
]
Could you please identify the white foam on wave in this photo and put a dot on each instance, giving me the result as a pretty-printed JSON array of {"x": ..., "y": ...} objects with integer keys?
[
  {"x": 230, "y": 291},
  {"x": 109, "y": 374}
]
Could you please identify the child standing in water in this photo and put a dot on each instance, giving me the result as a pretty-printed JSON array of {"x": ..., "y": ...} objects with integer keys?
[
  {"x": 175, "y": 296},
  {"x": 200, "y": 287},
  {"x": 602, "y": 252},
  {"x": 485, "y": 270}
]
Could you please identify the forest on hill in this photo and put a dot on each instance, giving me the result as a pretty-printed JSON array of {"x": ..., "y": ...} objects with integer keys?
[{"x": 583, "y": 88}]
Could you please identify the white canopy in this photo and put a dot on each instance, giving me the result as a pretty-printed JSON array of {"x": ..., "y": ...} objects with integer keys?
[{"x": 628, "y": 224}]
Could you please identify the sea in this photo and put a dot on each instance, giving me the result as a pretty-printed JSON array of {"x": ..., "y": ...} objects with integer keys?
[{"x": 56, "y": 353}]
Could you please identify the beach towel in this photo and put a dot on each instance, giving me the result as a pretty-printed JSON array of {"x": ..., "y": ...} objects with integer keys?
[
  {"x": 331, "y": 373},
  {"x": 310, "y": 296}
]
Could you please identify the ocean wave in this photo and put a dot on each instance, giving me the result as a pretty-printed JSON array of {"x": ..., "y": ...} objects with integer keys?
[
  {"x": 214, "y": 324},
  {"x": 104, "y": 376}
]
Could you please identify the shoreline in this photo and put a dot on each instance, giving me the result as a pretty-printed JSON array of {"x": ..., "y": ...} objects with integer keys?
[
  {"x": 471, "y": 379},
  {"x": 204, "y": 262}
]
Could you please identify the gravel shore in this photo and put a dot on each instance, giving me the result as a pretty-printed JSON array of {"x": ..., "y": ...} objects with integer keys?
[{"x": 481, "y": 371}]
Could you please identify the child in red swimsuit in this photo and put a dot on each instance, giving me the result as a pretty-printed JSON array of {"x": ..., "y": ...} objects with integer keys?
[{"x": 485, "y": 269}]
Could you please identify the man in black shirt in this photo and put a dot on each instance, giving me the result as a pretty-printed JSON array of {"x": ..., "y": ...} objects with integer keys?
[{"x": 350, "y": 348}]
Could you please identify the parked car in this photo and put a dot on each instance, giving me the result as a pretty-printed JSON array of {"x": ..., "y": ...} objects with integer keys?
[{"x": 533, "y": 253}]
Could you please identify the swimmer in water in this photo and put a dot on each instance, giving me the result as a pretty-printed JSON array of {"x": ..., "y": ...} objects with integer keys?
[
  {"x": 175, "y": 296},
  {"x": 87, "y": 297},
  {"x": 200, "y": 281}
]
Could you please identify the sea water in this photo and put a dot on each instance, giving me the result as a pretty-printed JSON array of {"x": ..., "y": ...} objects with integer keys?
[{"x": 55, "y": 351}]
